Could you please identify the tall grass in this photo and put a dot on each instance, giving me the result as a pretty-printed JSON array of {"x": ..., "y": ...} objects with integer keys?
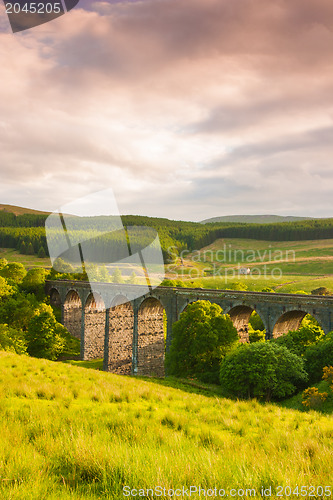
[{"x": 72, "y": 433}]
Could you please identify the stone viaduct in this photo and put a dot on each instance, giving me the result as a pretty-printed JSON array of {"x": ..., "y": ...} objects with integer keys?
[{"x": 132, "y": 334}]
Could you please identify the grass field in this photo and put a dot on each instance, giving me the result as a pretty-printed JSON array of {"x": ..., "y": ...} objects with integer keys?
[
  {"x": 72, "y": 433},
  {"x": 284, "y": 266},
  {"x": 29, "y": 261},
  {"x": 287, "y": 266}
]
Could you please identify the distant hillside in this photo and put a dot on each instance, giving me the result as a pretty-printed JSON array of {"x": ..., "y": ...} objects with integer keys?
[
  {"x": 20, "y": 210},
  {"x": 255, "y": 219}
]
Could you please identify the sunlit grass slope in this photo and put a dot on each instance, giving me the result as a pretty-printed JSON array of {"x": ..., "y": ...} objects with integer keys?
[{"x": 72, "y": 433}]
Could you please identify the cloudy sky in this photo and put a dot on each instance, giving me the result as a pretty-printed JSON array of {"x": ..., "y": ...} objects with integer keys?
[{"x": 187, "y": 109}]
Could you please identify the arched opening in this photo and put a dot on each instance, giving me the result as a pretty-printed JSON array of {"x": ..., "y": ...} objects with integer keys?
[
  {"x": 94, "y": 331},
  {"x": 73, "y": 313},
  {"x": 151, "y": 338},
  {"x": 245, "y": 318},
  {"x": 293, "y": 320},
  {"x": 55, "y": 303},
  {"x": 121, "y": 321},
  {"x": 55, "y": 299}
]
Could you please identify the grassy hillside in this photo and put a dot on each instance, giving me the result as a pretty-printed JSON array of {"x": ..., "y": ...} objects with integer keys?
[
  {"x": 287, "y": 266},
  {"x": 29, "y": 261},
  {"x": 21, "y": 210},
  {"x": 72, "y": 433},
  {"x": 255, "y": 219}
]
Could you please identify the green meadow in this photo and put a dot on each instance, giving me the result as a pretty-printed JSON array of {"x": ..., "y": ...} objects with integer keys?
[
  {"x": 285, "y": 266},
  {"x": 72, "y": 433}
]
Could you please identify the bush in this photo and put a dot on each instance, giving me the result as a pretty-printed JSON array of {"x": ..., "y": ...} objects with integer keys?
[
  {"x": 313, "y": 399},
  {"x": 328, "y": 375},
  {"x": 322, "y": 290},
  {"x": 201, "y": 338},
  {"x": 264, "y": 370},
  {"x": 318, "y": 356}
]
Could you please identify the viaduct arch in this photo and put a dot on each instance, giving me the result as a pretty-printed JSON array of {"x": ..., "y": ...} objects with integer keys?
[{"x": 132, "y": 334}]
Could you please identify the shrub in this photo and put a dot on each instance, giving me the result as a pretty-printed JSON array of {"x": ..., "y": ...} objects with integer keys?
[
  {"x": 328, "y": 375},
  {"x": 322, "y": 290},
  {"x": 318, "y": 356},
  {"x": 201, "y": 338},
  {"x": 263, "y": 370},
  {"x": 312, "y": 398}
]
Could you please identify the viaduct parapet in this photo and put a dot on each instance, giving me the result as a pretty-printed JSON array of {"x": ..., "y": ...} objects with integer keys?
[{"x": 132, "y": 334}]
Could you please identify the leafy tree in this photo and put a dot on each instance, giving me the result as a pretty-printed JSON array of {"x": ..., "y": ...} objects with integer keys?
[
  {"x": 12, "y": 340},
  {"x": 34, "y": 281},
  {"x": 13, "y": 272},
  {"x": 6, "y": 290},
  {"x": 319, "y": 355},
  {"x": 268, "y": 289},
  {"x": 297, "y": 341},
  {"x": 201, "y": 338},
  {"x": 17, "y": 310},
  {"x": 45, "y": 336},
  {"x": 60, "y": 266},
  {"x": 263, "y": 370}
]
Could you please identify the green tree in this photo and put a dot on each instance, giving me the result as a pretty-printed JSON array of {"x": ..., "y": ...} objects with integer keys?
[
  {"x": 17, "y": 310},
  {"x": 319, "y": 355},
  {"x": 13, "y": 272},
  {"x": 117, "y": 276},
  {"x": 201, "y": 338},
  {"x": 34, "y": 281},
  {"x": 30, "y": 249},
  {"x": 297, "y": 341},
  {"x": 45, "y": 336},
  {"x": 6, "y": 290},
  {"x": 23, "y": 248},
  {"x": 263, "y": 370},
  {"x": 132, "y": 280},
  {"x": 41, "y": 253},
  {"x": 12, "y": 340}
]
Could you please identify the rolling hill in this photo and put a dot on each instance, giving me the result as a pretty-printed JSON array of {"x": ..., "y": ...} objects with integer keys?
[
  {"x": 21, "y": 210},
  {"x": 255, "y": 219}
]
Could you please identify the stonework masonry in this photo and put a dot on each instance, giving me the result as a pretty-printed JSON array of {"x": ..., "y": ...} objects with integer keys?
[{"x": 129, "y": 332}]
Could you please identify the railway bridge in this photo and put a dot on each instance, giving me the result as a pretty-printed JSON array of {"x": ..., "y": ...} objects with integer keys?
[{"x": 132, "y": 334}]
